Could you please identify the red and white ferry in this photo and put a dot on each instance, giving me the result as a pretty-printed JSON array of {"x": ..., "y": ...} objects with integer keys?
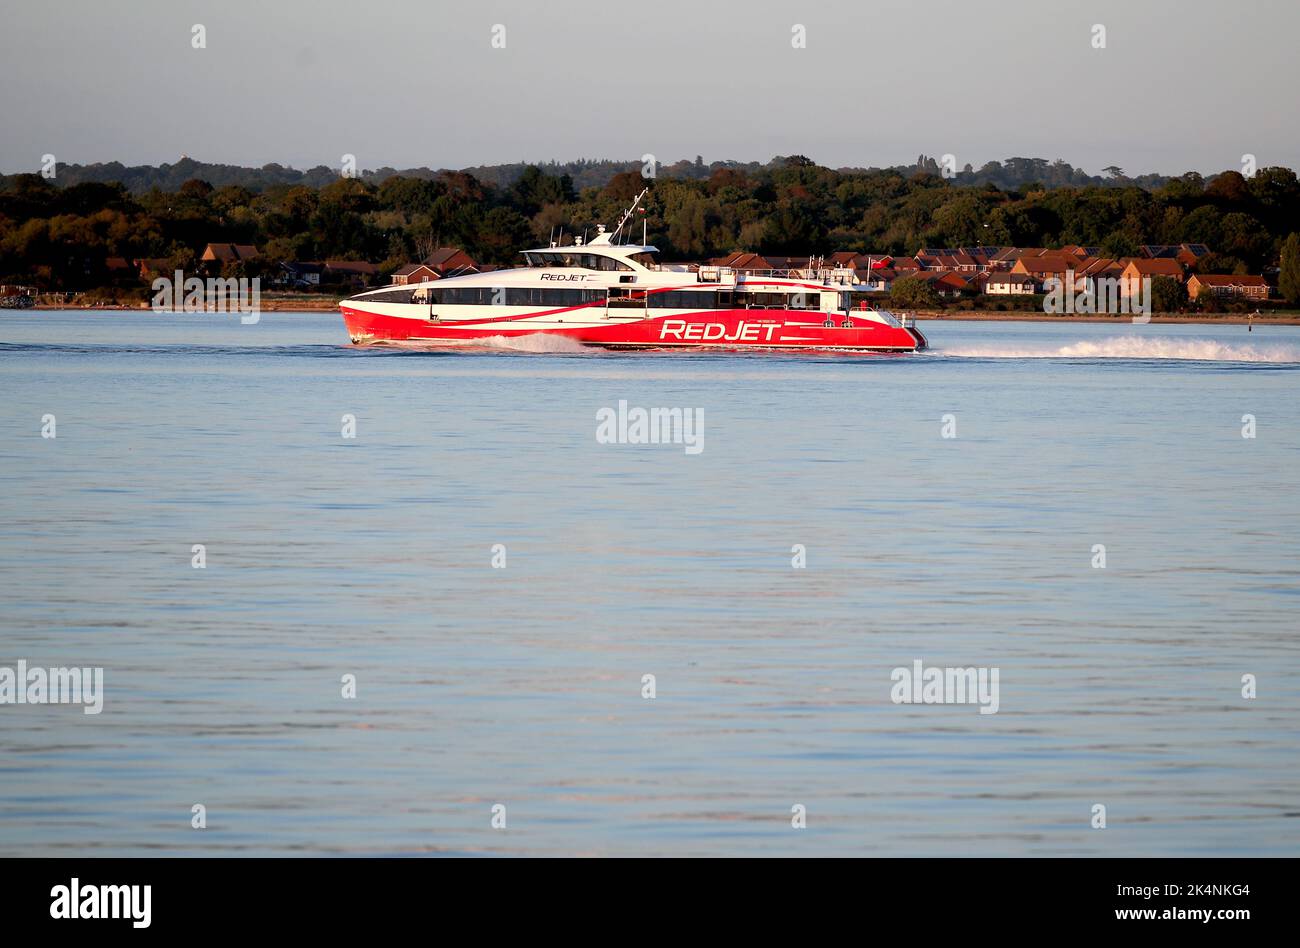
[{"x": 615, "y": 296}]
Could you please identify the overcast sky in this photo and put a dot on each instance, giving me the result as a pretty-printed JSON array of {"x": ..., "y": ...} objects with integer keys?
[{"x": 1181, "y": 85}]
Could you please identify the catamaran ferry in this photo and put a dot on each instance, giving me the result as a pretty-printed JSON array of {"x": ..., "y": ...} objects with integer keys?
[{"x": 616, "y": 296}]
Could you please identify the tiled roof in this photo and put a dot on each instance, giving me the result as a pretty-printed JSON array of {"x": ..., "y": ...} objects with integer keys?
[
  {"x": 1229, "y": 279},
  {"x": 351, "y": 266},
  {"x": 1157, "y": 266}
]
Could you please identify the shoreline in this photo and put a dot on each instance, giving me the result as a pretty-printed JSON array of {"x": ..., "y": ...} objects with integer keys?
[
  {"x": 265, "y": 306},
  {"x": 1288, "y": 319},
  {"x": 967, "y": 316},
  {"x": 1231, "y": 319}
]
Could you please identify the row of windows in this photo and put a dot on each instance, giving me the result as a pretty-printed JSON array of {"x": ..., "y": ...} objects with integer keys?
[
  {"x": 547, "y": 296},
  {"x": 588, "y": 261},
  {"x": 492, "y": 296},
  {"x": 688, "y": 299},
  {"x": 520, "y": 296}
]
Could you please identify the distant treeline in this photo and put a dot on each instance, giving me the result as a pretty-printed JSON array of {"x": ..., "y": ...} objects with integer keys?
[
  {"x": 584, "y": 173},
  {"x": 59, "y": 233}
]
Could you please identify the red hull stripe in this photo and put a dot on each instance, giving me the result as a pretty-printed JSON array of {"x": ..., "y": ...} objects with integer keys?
[
  {"x": 730, "y": 328},
  {"x": 648, "y": 292}
]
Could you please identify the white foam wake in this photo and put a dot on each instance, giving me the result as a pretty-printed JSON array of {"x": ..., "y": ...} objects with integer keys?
[
  {"x": 1136, "y": 347},
  {"x": 533, "y": 342}
]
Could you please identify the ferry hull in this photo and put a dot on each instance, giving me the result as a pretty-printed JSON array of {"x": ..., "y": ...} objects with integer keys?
[{"x": 729, "y": 329}]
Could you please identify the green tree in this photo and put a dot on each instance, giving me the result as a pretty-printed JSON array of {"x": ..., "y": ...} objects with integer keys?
[
  {"x": 912, "y": 292},
  {"x": 1219, "y": 263},
  {"x": 1119, "y": 244},
  {"x": 1289, "y": 278},
  {"x": 1229, "y": 187},
  {"x": 794, "y": 227},
  {"x": 1168, "y": 295}
]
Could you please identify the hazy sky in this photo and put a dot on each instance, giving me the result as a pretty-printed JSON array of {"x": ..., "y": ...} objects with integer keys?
[{"x": 1182, "y": 84}]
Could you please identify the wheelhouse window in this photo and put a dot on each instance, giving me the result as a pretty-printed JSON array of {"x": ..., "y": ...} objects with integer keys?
[
  {"x": 573, "y": 258},
  {"x": 394, "y": 296}
]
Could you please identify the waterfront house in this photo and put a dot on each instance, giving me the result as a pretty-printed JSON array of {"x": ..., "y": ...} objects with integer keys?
[
  {"x": 414, "y": 273},
  {"x": 744, "y": 262},
  {"x": 1100, "y": 268},
  {"x": 355, "y": 273},
  {"x": 1139, "y": 267},
  {"x": 875, "y": 278},
  {"x": 847, "y": 259},
  {"x": 448, "y": 260},
  {"x": 1006, "y": 283},
  {"x": 1046, "y": 267},
  {"x": 1228, "y": 285},
  {"x": 301, "y": 274},
  {"x": 945, "y": 283}
]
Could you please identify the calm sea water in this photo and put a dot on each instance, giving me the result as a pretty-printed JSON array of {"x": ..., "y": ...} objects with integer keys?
[{"x": 522, "y": 686}]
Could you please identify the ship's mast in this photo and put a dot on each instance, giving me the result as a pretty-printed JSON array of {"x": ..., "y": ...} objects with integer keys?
[{"x": 627, "y": 214}]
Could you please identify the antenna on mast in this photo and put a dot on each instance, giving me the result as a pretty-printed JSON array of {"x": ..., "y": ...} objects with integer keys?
[{"x": 630, "y": 211}]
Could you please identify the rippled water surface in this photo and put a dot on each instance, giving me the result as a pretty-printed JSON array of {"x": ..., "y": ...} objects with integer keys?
[{"x": 522, "y": 686}]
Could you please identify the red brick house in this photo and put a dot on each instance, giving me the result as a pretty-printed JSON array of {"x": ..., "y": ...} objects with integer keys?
[
  {"x": 447, "y": 260},
  {"x": 414, "y": 273},
  {"x": 1139, "y": 267},
  {"x": 744, "y": 262},
  {"x": 1042, "y": 268},
  {"x": 1228, "y": 285}
]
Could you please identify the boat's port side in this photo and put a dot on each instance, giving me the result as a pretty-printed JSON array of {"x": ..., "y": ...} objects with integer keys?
[{"x": 614, "y": 295}]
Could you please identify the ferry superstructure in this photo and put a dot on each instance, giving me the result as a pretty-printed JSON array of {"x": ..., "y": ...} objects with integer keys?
[{"x": 616, "y": 296}]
